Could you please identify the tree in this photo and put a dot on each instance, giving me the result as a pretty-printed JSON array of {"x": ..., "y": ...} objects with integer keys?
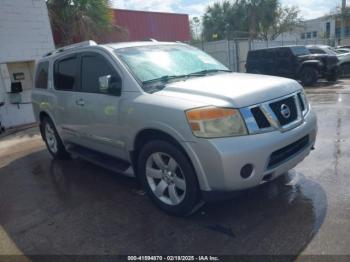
[
  {"x": 215, "y": 20},
  {"x": 287, "y": 20},
  {"x": 78, "y": 20},
  {"x": 264, "y": 19}
]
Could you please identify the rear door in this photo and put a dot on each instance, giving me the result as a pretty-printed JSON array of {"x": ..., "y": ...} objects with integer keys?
[
  {"x": 269, "y": 62},
  {"x": 99, "y": 117},
  {"x": 285, "y": 62}
]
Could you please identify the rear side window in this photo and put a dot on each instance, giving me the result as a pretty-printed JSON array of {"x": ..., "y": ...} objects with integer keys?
[
  {"x": 254, "y": 55},
  {"x": 65, "y": 74},
  {"x": 268, "y": 54},
  {"x": 41, "y": 75}
]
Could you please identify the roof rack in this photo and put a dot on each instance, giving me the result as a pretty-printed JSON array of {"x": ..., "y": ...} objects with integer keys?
[
  {"x": 149, "y": 39},
  {"x": 68, "y": 47}
]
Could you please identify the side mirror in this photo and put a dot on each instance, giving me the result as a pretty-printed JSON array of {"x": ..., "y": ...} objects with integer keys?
[
  {"x": 109, "y": 84},
  {"x": 104, "y": 82}
]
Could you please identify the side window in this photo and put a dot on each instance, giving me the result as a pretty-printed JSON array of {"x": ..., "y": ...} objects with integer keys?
[
  {"x": 41, "y": 76},
  {"x": 316, "y": 51},
  {"x": 268, "y": 54},
  {"x": 93, "y": 67},
  {"x": 65, "y": 74},
  {"x": 283, "y": 53},
  {"x": 254, "y": 55}
]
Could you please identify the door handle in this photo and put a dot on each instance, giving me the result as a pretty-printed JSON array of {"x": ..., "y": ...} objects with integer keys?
[{"x": 80, "y": 102}]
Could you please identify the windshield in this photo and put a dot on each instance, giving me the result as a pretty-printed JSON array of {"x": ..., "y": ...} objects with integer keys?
[
  {"x": 300, "y": 50},
  {"x": 154, "y": 62}
]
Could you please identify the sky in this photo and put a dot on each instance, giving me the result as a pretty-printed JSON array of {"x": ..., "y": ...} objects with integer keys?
[{"x": 309, "y": 8}]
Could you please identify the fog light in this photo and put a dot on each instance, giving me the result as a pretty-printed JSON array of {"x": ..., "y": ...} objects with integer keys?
[{"x": 247, "y": 171}]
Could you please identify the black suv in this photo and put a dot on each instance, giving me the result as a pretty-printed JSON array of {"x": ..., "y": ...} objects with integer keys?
[{"x": 293, "y": 62}]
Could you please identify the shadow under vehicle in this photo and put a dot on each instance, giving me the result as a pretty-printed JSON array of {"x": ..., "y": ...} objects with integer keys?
[{"x": 73, "y": 207}]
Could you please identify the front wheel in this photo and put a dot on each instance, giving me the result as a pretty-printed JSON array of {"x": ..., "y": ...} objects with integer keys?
[
  {"x": 52, "y": 140},
  {"x": 344, "y": 70},
  {"x": 333, "y": 77},
  {"x": 168, "y": 177},
  {"x": 308, "y": 76}
]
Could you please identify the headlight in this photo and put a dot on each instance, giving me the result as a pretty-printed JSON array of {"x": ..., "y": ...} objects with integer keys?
[
  {"x": 210, "y": 122},
  {"x": 305, "y": 100}
]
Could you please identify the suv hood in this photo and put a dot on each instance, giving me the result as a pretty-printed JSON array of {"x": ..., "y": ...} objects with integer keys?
[{"x": 239, "y": 89}]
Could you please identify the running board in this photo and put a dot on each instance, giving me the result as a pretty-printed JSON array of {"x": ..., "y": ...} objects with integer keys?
[{"x": 106, "y": 161}]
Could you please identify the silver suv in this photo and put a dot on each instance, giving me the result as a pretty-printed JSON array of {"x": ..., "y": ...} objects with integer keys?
[{"x": 181, "y": 122}]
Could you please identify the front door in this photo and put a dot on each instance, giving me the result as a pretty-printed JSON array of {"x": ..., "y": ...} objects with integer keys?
[
  {"x": 65, "y": 107},
  {"x": 99, "y": 108}
]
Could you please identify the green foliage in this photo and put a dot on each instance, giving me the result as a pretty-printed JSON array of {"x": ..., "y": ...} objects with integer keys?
[
  {"x": 264, "y": 19},
  {"x": 78, "y": 20}
]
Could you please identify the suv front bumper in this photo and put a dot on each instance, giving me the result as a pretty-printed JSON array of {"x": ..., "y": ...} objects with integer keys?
[{"x": 218, "y": 162}]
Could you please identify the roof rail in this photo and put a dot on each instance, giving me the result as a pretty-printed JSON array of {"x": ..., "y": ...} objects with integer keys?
[
  {"x": 149, "y": 39},
  {"x": 68, "y": 47}
]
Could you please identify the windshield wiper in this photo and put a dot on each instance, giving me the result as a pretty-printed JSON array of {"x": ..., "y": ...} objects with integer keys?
[
  {"x": 208, "y": 71},
  {"x": 163, "y": 79},
  {"x": 167, "y": 78}
]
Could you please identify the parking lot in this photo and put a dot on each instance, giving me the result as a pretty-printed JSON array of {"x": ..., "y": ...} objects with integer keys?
[{"x": 74, "y": 207}]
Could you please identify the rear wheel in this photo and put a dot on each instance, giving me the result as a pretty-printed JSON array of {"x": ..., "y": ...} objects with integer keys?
[
  {"x": 52, "y": 140},
  {"x": 168, "y": 177},
  {"x": 308, "y": 76}
]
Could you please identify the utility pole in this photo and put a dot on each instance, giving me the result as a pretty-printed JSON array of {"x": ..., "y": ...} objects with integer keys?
[{"x": 342, "y": 21}]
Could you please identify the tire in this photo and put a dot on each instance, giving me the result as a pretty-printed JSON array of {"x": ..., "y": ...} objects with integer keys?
[
  {"x": 52, "y": 140},
  {"x": 333, "y": 77},
  {"x": 344, "y": 70},
  {"x": 170, "y": 181},
  {"x": 308, "y": 76}
]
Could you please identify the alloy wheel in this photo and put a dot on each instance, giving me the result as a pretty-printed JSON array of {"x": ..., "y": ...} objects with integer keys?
[{"x": 165, "y": 178}]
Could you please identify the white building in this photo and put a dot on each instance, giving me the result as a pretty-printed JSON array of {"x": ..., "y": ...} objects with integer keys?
[
  {"x": 318, "y": 30},
  {"x": 25, "y": 35}
]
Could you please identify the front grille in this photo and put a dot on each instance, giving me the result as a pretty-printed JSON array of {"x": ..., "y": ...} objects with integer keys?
[
  {"x": 290, "y": 103},
  {"x": 282, "y": 154},
  {"x": 260, "y": 118}
]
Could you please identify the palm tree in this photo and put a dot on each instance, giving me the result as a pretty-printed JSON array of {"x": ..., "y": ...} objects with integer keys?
[
  {"x": 215, "y": 20},
  {"x": 78, "y": 20}
]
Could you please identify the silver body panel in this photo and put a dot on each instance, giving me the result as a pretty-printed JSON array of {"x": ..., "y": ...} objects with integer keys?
[{"x": 110, "y": 124}]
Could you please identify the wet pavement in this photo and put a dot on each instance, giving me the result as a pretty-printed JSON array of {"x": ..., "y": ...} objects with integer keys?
[{"x": 74, "y": 207}]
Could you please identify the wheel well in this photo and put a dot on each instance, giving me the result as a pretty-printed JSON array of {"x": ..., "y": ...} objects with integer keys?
[
  {"x": 42, "y": 115},
  {"x": 345, "y": 64},
  {"x": 309, "y": 65},
  {"x": 148, "y": 135}
]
